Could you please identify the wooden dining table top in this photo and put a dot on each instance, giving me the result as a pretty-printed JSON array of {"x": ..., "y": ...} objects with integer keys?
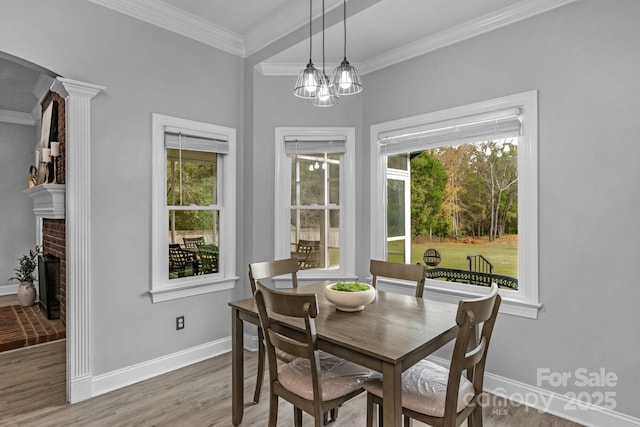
[{"x": 388, "y": 330}]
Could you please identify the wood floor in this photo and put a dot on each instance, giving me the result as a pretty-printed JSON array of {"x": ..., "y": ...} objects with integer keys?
[
  {"x": 32, "y": 393},
  {"x": 6, "y": 300}
]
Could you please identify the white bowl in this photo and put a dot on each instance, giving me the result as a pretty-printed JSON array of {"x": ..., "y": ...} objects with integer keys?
[{"x": 350, "y": 301}]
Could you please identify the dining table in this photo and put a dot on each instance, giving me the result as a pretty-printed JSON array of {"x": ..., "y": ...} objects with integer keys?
[{"x": 389, "y": 335}]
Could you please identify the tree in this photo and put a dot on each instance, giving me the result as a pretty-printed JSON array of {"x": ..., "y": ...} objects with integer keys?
[
  {"x": 428, "y": 181},
  {"x": 192, "y": 183},
  {"x": 498, "y": 165},
  {"x": 455, "y": 160}
]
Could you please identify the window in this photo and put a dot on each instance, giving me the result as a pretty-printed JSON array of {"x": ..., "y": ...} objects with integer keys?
[
  {"x": 315, "y": 209},
  {"x": 463, "y": 174},
  {"x": 193, "y": 215}
]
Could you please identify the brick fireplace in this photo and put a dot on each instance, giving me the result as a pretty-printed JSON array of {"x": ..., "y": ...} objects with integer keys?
[{"x": 49, "y": 209}]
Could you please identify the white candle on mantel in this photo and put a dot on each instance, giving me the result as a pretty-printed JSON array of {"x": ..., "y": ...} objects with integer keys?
[
  {"x": 55, "y": 148},
  {"x": 46, "y": 155}
]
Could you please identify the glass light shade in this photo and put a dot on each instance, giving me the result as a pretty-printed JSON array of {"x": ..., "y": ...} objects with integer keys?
[
  {"x": 345, "y": 79},
  {"x": 326, "y": 95},
  {"x": 309, "y": 82}
]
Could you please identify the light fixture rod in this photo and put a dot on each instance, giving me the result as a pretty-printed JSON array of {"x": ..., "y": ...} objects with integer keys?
[
  {"x": 310, "y": 32},
  {"x": 344, "y": 22},
  {"x": 323, "y": 72}
]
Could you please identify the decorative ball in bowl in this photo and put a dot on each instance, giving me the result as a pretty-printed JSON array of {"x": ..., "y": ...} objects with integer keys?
[{"x": 350, "y": 296}]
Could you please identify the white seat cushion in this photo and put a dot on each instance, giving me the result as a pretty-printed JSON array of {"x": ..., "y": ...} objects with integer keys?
[
  {"x": 338, "y": 377},
  {"x": 424, "y": 389},
  {"x": 284, "y": 356}
]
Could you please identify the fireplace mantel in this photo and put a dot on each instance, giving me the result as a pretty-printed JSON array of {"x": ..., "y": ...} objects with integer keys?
[{"x": 48, "y": 200}]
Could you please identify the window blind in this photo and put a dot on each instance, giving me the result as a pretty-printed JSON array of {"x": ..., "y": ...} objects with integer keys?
[
  {"x": 314, "y": 145},
  {"x": 209, "y": 143},
  {"x": 480, "y": 127}
]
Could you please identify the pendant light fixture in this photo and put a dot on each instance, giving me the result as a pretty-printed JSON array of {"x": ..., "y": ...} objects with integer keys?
[
  {"x": 345, "y": 79},
  {"x": 310, "y": 80},
  {"x": 326, "y": 95}
]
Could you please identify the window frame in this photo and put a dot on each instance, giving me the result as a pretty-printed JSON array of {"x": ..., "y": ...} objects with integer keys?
[
  {"x": 523, "y": 302},
  {"x": 161, "y": 287},
  {"x": 283, "y": 164}
]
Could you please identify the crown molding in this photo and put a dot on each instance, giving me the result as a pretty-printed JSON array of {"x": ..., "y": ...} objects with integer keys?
[
  {"x": 17, "y": 118},
  {"x": 42, "y": 86},
  {"x": 281, "y": 23},
  {"x": 501, "y": 18},
  {"x": 288, "y": 69},
  {"x": 173, "y": 19},
  {"x": 484, "y": 24}
]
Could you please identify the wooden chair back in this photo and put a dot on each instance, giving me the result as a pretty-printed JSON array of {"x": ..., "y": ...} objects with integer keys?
[
  {"x": 261, "y": 271},
  {"x": 268, "y": 269},
  {"x": 470, "y": 349},
  {"x": 394, "y": 270},
  {"x": 304, "y": 306}
]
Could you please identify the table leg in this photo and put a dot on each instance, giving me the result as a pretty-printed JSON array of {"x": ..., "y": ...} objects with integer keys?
[
  {"x": 392, "y": 392},
  {"x": 237, "y": 367}
]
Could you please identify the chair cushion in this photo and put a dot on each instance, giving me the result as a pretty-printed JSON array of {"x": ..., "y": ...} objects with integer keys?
[
  {"x": 284, "y": 356},
  {"x": 424, "y": 389},
  {"x": 338, "y": 377}
]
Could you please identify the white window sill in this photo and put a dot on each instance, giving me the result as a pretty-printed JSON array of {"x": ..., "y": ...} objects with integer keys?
[
  {"x": 510, "y": 305},
  {"x": 185, "y": 290}
]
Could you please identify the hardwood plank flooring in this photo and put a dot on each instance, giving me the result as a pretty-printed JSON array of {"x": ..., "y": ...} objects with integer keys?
[
  {"x": 32, "y": 393},
  {"x": 11, "y": 299}
]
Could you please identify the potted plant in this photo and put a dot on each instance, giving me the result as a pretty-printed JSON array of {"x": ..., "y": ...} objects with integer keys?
[{"x": 24, "y": 274}]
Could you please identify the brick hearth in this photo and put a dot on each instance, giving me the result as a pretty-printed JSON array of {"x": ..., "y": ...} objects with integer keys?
[{"x": 25, "y": 326}]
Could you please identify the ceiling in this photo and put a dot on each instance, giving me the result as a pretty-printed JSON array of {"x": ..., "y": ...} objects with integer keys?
[
  {"x": 22, "y": 85},
  {"x": 379, "y": 32}
]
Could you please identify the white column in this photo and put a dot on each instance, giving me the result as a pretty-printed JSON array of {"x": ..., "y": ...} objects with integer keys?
[{"x": 78, "y": 97}]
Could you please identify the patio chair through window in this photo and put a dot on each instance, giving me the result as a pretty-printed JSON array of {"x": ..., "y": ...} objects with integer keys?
[{"x": 308, "y": 254}]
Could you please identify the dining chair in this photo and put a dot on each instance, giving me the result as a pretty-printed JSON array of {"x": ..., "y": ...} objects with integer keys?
[
  {"x": 438, "y": 396},
  {"x": 394, "y": 270},
  {"x": 314, "y": 382},
  {"x": 261, "y": 271}
]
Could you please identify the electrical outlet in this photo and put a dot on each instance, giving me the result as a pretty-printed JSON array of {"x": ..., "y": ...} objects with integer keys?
[{"x": 179, "y": 323}]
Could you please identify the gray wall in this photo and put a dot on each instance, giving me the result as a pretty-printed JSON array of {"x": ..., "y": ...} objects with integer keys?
[
  {"x": 582, "y": 58},
  {"x": 276, "y": 106},
  {"x": 17, "y": 222},
  {"x": 145, "y": 69}
]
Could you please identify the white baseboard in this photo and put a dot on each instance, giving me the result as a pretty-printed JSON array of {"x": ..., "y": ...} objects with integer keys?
[
  {"x": 553, "y": 403},
  {"x": 142, "y": 371},
  {"x": 531, "y": 396},
  {"x": 79, "y": 389},
  {"x": 8, "y": 289}
]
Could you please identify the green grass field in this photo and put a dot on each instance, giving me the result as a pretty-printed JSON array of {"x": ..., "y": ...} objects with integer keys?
[{"x": 502, "y": 253}]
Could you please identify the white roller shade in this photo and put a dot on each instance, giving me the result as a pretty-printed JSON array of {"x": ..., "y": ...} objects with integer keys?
[
  {"x": 314, "y": 145},
  {"x": 481, "y": 127}
]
